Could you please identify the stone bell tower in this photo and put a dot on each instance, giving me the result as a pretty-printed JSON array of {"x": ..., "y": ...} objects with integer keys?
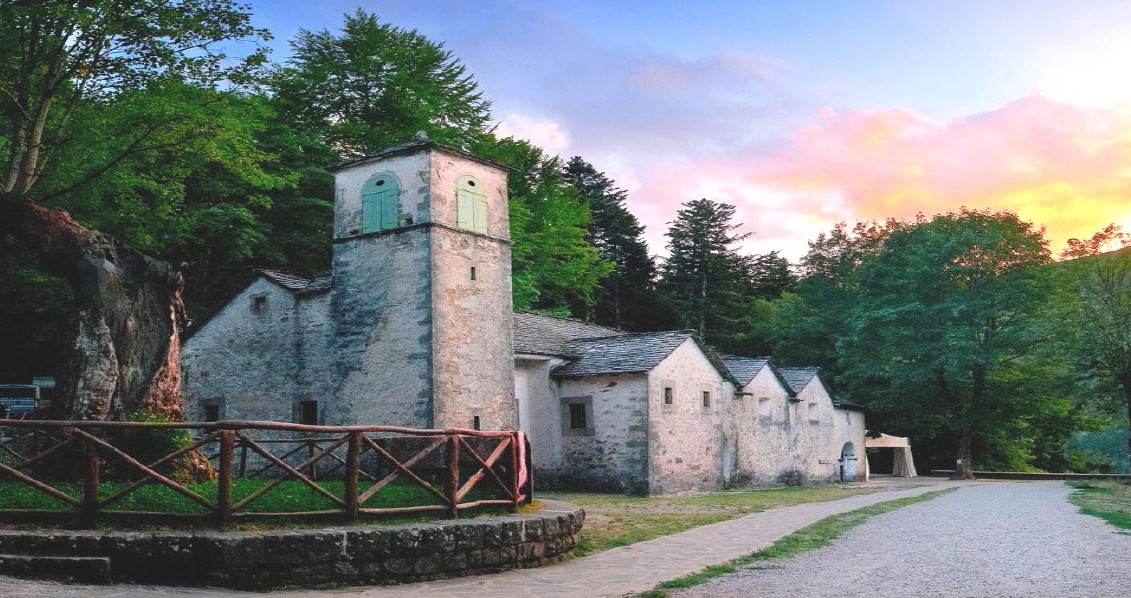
[{"x": 421, "y": 302}]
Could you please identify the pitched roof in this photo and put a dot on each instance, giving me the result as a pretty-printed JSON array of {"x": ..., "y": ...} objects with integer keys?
[
  {"x": 549, "y": 335},
  {"x": 744, "y": 369},
  {"x": 798, "y": 378},
  {"x": 298, "y": 285},
  {"x": 621, "y": 354}
]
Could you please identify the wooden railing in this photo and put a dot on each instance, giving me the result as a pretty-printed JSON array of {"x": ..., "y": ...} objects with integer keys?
[{"x": 457, "y": 469}]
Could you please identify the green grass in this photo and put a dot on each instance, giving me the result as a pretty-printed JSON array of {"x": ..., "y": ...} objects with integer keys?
[
  {"x": 617, "y": 520},
  {"x": 808, "y": 538},
  {"x": 290, "y": 496},
  {"x": 1110, "y": 501}
]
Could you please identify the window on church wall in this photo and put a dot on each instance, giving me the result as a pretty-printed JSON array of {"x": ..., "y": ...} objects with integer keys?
[
  {"x": 577, "y": 416},
  {"x": 765, "y": 409},
  {"x": 306, "y": 413},
  {"x": 814, "y": 415},
  {"x": 380, "y": 204},
  {"x": 471, "y": 200}
]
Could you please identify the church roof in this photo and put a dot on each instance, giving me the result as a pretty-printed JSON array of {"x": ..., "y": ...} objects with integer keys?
[
  {"x": 744, "y": 369},
  {"x": 298, "y": 284},
  {"x": 549, "y": 335},
  {"x": 621, "y": 354},
  {"x": 632, "y": 353},
  {"x": 798, "y": 378}
]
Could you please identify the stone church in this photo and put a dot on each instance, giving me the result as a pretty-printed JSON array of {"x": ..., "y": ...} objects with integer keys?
[{"x": 415, "y": 327}]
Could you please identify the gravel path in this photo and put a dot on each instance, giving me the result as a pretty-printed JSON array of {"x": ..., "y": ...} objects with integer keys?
[{"x": 993, "y": 540}]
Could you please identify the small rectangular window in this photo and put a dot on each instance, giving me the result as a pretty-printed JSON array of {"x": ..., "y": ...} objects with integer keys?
[
  {"x": 473, "y": 273},
  {"x": 706, "y": 398},
  {"x": 577, "y": 419},
  {"x": 308, "y": 413},
  {"x": 258, "y": 303},
  {"x": 211, "y": 413},
  {"x": 577, "y": 416},
  {"x": 764, "y": 408},
  {"x": 668, "y": 398},
  {"x": 475, "y": 423}
]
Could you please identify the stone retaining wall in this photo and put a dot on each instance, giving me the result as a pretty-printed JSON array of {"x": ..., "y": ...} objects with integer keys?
[{"x": 324, "y": 557}]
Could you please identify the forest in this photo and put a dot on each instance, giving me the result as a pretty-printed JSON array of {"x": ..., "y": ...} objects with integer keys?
[{"x": 140, "y": 157}]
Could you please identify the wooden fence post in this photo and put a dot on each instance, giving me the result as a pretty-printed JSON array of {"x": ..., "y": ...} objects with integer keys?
[
  {"x": 453, "y": 476},
  {"x": 224, "y": 479},
  {"x": 353, "y": 466},
  {"x": 90, "y": 490}
]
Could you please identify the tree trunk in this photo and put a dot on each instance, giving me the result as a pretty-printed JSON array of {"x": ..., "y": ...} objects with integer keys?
[
  {"x": 962, "y": 468},
  {"x": 126, "y": 344},
  {"x": 1125, "y": 382}
]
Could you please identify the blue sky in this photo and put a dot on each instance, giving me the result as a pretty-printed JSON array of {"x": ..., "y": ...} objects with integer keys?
[{"x": 803, "y": 114}]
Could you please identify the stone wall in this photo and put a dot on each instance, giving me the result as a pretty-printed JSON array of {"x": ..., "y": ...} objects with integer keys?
[
  {"x": 686, "y": 439},
  {"x": 224, "y": 361},
  {"x": 309, "y": 558},
  {"x": 612, "y": 455}
]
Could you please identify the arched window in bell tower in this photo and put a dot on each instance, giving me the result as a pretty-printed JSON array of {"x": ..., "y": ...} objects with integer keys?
[
  {"x": 380, "y": 203},
  {"x": 472, "y": 206}
]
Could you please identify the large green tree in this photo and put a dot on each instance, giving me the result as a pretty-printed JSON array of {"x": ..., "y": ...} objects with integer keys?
[
  {"x": 1098, "y": 323},
  {"x": 626, "y": 298},
  {"x": 374, "y": 85},
  {"x": 55, "y": 58},
  {"x": 704, "y": 275},
  {"x": 554, "y": 266},
  {"x": 945, "y": 314}
]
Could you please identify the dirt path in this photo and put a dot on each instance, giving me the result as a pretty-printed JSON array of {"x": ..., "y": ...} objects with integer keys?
[{"x": 992, "y": 540}]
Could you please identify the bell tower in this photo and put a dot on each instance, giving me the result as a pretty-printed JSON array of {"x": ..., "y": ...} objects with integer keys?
[{"x": 421, "y": 302}]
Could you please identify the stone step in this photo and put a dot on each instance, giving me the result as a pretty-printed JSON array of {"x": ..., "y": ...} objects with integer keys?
[{"x": 76, "y": 569}]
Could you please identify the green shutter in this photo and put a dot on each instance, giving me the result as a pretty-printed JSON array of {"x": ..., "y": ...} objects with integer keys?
[
  {"x": 466, "y": 219},
  {"x": 472, "y": 205},
  {"x": 380, "y": 204},
  {"x": 480, "y": 225}
]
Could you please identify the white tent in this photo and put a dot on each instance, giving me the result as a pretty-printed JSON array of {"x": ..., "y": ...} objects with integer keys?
[{"x": 903, "y": 465}]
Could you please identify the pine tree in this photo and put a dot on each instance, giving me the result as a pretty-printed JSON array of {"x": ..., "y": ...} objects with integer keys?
[
  {"x": 705, "y": 277},
  {"x": 627, "y": 297}
]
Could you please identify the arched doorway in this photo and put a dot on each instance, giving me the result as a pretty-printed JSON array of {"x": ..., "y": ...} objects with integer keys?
[{"x": 848, "y": 463}]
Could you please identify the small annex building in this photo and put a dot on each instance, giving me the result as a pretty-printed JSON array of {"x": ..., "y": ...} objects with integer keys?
[{"x": 414, "y": 327}]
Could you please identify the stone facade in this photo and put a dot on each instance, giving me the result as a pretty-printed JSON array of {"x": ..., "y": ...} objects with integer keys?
[{"x": 415, "y": 328}]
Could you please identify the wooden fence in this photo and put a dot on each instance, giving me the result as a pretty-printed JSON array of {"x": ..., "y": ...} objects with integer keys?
[{"x": 54, "y": 457}]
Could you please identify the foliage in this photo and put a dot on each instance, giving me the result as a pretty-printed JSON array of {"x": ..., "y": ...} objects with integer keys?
[
  {"x": 34, "y": 315},
  {"x": 375, "y": 85},
  {"x": 627, "y": 297},
  {"x": 704, "y": 276},
  {"x": 944, "y": 315},
  {"x": 59, "y": 55},
  {"x": 553, "y": 264},
  {"x": 1096, "y": 320}
]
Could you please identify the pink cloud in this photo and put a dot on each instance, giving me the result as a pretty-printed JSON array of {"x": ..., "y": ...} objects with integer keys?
[{"x": 1056, "y": 164}]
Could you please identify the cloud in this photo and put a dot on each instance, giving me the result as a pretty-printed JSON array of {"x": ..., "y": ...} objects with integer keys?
[
  {"x": 546, "y": 135},
  {"x": 1056, "y": 164}
]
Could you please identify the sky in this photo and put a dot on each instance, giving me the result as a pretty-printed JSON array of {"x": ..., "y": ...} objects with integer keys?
[{"x": 802, "y": 114}]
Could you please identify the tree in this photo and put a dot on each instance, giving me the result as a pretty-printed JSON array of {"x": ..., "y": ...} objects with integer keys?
[
  {"x": 1099, "y": 326},
  {"x": 944, "y": 318},
  {"x": 811, "y": 320},
  {"x": 626, "y": 298},
  {"x": 55, "y": 57},
  {"x": 553, "y": 264},
  {"x": 704, "y": 276},
  {"x": 376, "y": 85}
]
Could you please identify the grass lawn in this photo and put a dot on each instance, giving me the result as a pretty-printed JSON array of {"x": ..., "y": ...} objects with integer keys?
[
  {"x": 617, "y": 520},
  {"x": 1110, "y": 501}
]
